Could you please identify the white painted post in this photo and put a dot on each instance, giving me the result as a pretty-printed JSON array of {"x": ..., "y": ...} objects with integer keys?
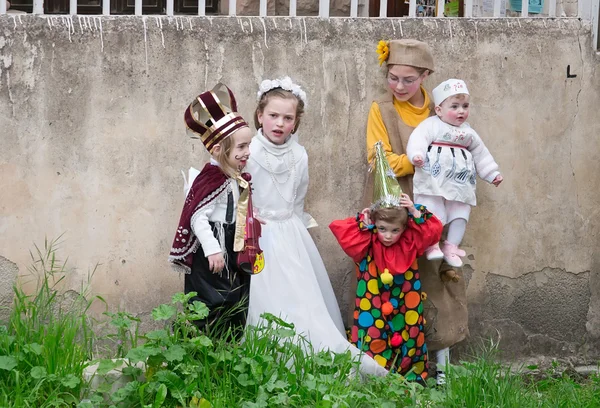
[
  {"x": 497, "y": 5},
  {"x": 382, "y": 8},
  {"x": 72, "y": 7},
  {"x": 232, "y": 7},
  {"x": 106, "y": 7},
  {"x": 2, "y": 7},
  {"x": 324, "y": 8},
  {"x": 201, "y": 7},
  {"x": 440, "y": 8},
  {"x": 38, "y": 6},
  {"x": 263, "y": 8},
  {"x": 354, "y": 8},
  {"x": 469, "y": 8},
  {"x": 138, "y": 7},
  {"x": 170, "y": 7},
  {"x": 292, "y": 8},
  {"x": 524, "y": 8},
  {"x": 552, "y": 8},
  {"x": 412, "y": 8}
]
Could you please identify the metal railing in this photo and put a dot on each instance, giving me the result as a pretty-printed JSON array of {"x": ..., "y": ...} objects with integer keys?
[{"x": 499, "y": 9}]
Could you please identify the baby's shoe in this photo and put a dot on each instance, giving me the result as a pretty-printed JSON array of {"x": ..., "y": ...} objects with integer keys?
[
  {"x": 440, "y": 379},
  {"x": 434, "y": 252},
  {"x": 452, "y": 254}
]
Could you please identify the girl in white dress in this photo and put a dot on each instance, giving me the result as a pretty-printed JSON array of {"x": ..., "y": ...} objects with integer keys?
[{"x": 294, "y": 284}]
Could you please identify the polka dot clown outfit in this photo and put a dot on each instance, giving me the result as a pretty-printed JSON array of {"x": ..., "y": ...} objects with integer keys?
[{"x": 388, "y": 313}]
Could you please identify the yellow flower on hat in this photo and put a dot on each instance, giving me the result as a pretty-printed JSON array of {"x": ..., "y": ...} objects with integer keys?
[{"x": 383, "y": 50}]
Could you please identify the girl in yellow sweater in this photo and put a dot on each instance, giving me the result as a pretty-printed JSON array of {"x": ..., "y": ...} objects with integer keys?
[{"x": 392, "y": 118}]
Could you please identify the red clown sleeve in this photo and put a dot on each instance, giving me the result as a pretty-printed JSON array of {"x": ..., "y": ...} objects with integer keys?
[{"x": 353, "y": 237}]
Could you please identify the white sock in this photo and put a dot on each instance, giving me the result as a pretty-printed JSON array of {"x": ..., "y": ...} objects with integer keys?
[
  {"x": 443, "y": 359},
  {"x": 456, "y": 231}
]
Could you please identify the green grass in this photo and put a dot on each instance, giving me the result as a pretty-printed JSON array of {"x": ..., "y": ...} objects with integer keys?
[{"x": 48, "y": 340}]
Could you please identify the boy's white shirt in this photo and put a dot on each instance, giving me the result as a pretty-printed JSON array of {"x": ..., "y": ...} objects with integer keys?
[{"x": 215, "y": 211}]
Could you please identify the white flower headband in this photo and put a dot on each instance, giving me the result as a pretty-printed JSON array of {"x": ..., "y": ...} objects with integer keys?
[{"x": 284, "y": 83}]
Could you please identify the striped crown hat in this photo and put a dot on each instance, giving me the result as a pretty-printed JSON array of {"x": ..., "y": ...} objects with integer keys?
[{"x": 212, "y": 116}]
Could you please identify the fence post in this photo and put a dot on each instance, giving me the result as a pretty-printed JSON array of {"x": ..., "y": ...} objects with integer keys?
[
  {"x": 382, "y": 8},
  {"x": 354, "y": 8},
  {"x": 524, "y": 8},
  {"x": 324, "y": 8},
  {"x": 38, "y": 6},
  {"x": 262, "y": 8}
]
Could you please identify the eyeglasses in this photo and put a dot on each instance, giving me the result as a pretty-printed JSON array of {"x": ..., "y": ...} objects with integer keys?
[{"x": 405, "y": 81}]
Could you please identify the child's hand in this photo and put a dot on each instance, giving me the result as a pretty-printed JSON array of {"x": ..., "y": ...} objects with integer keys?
[
  {"x": 216, "y": 262},
  {"x": 497, "y": 180},
  {"x": 256, "y": 217},
  {"x": 366, "y": 216},
  {"x": 418, "y": 161},
  {"x": 407, "y": 203}
]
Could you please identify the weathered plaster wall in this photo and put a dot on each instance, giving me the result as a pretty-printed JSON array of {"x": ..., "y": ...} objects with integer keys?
[{"x": 93, "y": 143}]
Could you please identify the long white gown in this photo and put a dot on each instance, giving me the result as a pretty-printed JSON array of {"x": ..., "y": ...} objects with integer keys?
[{"x": 294, "y": 284}]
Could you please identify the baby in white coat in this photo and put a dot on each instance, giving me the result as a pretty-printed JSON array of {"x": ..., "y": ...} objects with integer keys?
[{"x": 448, "y": 155}]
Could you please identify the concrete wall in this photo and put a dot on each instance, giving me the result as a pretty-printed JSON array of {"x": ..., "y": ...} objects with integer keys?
[{"x": 93, "y": 143}]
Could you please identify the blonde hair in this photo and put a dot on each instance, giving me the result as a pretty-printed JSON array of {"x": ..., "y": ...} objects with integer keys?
[
  {"x": 222, "y": 156},
  {"x": 394, "y": 215},
  {"x": 283, "y": 94}
]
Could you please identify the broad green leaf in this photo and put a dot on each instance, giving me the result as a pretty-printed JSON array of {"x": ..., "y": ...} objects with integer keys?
[
  {"x": 108, "y": 365},
  {"x": 157, "y": 335},
  {"x": 182, "y": 298},
  {"x": 38, "y": 372},
  {"x": 163, "y": 312},
  {"x": 221, "y": 355},
  {"x": 174, "y": 353},
  {"x": 244, "y": 380},
  {"x": 161, "y": 395},
  {"x": 204, "y": 404},
  {"x": 7, "y": 340},
  {"x": 131, "y": 371},
  {"x": 7, "y": 363},
  {"x": 70, "y": 381},
  {"x": 33, "y": 348},
  {"x": 199, "y": 308},
  {"x": 141, "y": 353},
  {"x": 202, "y": 341},
  {"x": 175, "y": 384}
]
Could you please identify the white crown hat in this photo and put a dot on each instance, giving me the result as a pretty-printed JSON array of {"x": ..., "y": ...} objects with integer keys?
[{"x": 447, "y": 89}]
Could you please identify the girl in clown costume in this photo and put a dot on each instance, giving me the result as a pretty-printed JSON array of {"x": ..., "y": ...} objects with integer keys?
[{"x": 384, "y": 241}]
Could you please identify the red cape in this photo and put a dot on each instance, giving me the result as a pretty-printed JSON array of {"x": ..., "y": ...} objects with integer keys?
[{"x": 206, "y": 187}]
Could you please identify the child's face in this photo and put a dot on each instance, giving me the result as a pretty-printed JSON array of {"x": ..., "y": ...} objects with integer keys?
[
  {"x": 454, "y": 110},
  {"x": 278, "y": 119},
  {"x": 388, "y": 233},
  {"x": 240, "y": 148},
  {"x": 404, "y": 81}
]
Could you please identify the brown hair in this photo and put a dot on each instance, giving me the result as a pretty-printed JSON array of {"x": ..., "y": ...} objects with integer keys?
[
  {"x": 394, "y": 215},
  {"x": 420, "y": 70},
  {"x": 283, "y": 94}
]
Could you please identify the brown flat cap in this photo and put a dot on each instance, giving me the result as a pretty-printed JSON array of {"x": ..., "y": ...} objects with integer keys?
[{"x": 410, "y": 52}]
